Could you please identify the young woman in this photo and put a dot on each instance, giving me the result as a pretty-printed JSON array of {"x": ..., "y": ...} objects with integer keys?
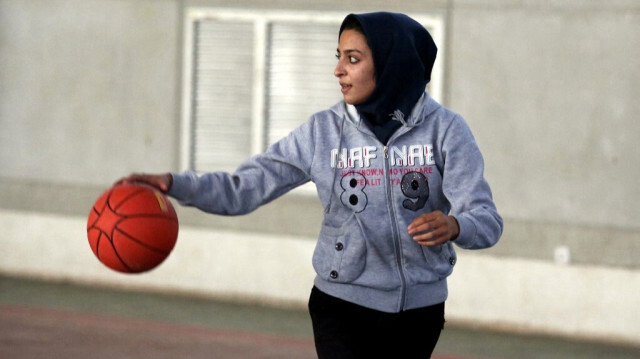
[{"x": 400, "y": 178}]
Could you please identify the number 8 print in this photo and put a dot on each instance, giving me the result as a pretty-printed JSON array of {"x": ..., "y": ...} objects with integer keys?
[{"x": 353, "y": 195}]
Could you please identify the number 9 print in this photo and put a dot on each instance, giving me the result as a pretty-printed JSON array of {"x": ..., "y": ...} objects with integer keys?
[{"x": 415, "y": 186}]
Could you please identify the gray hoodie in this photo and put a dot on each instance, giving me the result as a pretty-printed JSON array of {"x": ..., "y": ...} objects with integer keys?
[{"x": 370, "y": 193}]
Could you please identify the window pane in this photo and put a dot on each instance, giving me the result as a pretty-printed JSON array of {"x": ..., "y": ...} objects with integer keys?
[
  {"x": 300, "y": 77},
  {"x": 223, "y": 80}
]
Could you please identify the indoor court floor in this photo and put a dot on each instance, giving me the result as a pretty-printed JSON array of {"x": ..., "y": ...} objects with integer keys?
[{"x": 60, "y": 320}]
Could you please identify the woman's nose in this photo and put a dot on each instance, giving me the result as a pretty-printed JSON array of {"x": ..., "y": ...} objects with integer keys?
[{"x": 338, "y": 70}]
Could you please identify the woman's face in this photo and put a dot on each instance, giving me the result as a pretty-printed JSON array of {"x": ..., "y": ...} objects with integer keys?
[{"x": 355, "y": 69}]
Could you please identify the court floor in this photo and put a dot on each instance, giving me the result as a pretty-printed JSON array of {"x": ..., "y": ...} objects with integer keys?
[{"x": 60, "y": 320}]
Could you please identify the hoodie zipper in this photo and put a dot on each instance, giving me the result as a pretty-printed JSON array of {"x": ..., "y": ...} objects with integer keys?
[
  {"x": 394, "y": 229},
  {"x": 394, "y": 224}
]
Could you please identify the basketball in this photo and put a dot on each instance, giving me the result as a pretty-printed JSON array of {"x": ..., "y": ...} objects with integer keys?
[{"x": 132, "y": 228}]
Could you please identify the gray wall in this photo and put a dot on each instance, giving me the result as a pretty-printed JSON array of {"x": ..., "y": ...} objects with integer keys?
[
  {"x": 89, "y": 89},
  {"x": 91, "y": 92},
  {"x": 550, "y": 92}
]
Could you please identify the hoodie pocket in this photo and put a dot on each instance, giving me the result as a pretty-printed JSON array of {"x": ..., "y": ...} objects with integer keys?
[
  {"x": 441, "y": 259},
  {"x": 340, "y": 254}
]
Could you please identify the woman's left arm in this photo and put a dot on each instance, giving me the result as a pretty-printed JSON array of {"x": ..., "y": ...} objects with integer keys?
[{"x": 464, "y": 185}]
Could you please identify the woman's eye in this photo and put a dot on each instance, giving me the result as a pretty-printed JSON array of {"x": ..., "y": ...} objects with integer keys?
[{"x": 352, "y": 59}]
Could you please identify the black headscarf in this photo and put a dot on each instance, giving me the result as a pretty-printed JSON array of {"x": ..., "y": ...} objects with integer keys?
[{"x": 403, "y": 57}]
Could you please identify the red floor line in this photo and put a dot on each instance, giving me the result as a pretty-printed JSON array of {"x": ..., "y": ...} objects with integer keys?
[{"x": 115, "y": 322}]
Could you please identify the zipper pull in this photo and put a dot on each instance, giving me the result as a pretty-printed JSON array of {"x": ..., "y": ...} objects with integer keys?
[{"x": 386, "y": 151}]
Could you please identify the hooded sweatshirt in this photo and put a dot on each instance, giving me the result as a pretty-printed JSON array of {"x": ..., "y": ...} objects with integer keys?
[{"x": 370, "y": 191}]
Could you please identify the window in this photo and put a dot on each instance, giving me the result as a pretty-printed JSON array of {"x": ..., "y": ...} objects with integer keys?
[{"x": 250, "y": 77}]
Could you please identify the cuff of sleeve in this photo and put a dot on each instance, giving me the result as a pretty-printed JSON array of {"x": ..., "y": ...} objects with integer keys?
[
  {"x": 467, "y": 233},
  {"x": 180, "y": 186}
]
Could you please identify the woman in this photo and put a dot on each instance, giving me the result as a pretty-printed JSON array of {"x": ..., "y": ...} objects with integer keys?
[{"x": 400, "y": 178}]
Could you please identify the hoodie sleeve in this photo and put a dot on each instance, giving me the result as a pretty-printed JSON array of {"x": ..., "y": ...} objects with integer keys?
[
  {"x": 468, "y": 191},
  {"x": 259, "y": 180}
]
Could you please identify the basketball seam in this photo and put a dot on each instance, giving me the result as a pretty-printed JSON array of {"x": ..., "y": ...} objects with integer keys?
[
  {"x": 150, "y": 215},
  {"x": 115, "y": 251},
  {"x": 157, "y": 250},
  {"x": 124, "y": 200}
]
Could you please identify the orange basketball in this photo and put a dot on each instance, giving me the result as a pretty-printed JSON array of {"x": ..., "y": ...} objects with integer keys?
[{"x": 132, "y": 228}]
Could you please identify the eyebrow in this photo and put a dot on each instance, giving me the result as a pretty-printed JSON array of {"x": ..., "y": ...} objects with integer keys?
[{"x": 348, "y": 51}]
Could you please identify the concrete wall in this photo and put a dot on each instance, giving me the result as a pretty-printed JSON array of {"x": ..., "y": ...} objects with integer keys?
[
  {"x": 87, "y": 87},
  {"x": 90, "y": 91},
  {"x": 550, "y": 92}
]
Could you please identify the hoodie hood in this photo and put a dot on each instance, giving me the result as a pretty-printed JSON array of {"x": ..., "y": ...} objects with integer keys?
[{"x": 403, "y": 54}]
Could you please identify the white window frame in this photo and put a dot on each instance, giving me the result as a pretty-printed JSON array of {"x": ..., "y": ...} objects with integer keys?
[{"x": 260, "y": 20}]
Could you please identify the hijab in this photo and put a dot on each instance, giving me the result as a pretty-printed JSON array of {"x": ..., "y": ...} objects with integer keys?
[{"x": 403, "y": 57}]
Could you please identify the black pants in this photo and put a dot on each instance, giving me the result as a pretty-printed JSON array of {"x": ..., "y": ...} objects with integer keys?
[{"x": 345, "y": 330}]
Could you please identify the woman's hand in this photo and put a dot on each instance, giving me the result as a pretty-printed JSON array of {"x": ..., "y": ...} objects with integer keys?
[
  {"x": 162, "y": 182},
  {"x": 434, "y": 228}
]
